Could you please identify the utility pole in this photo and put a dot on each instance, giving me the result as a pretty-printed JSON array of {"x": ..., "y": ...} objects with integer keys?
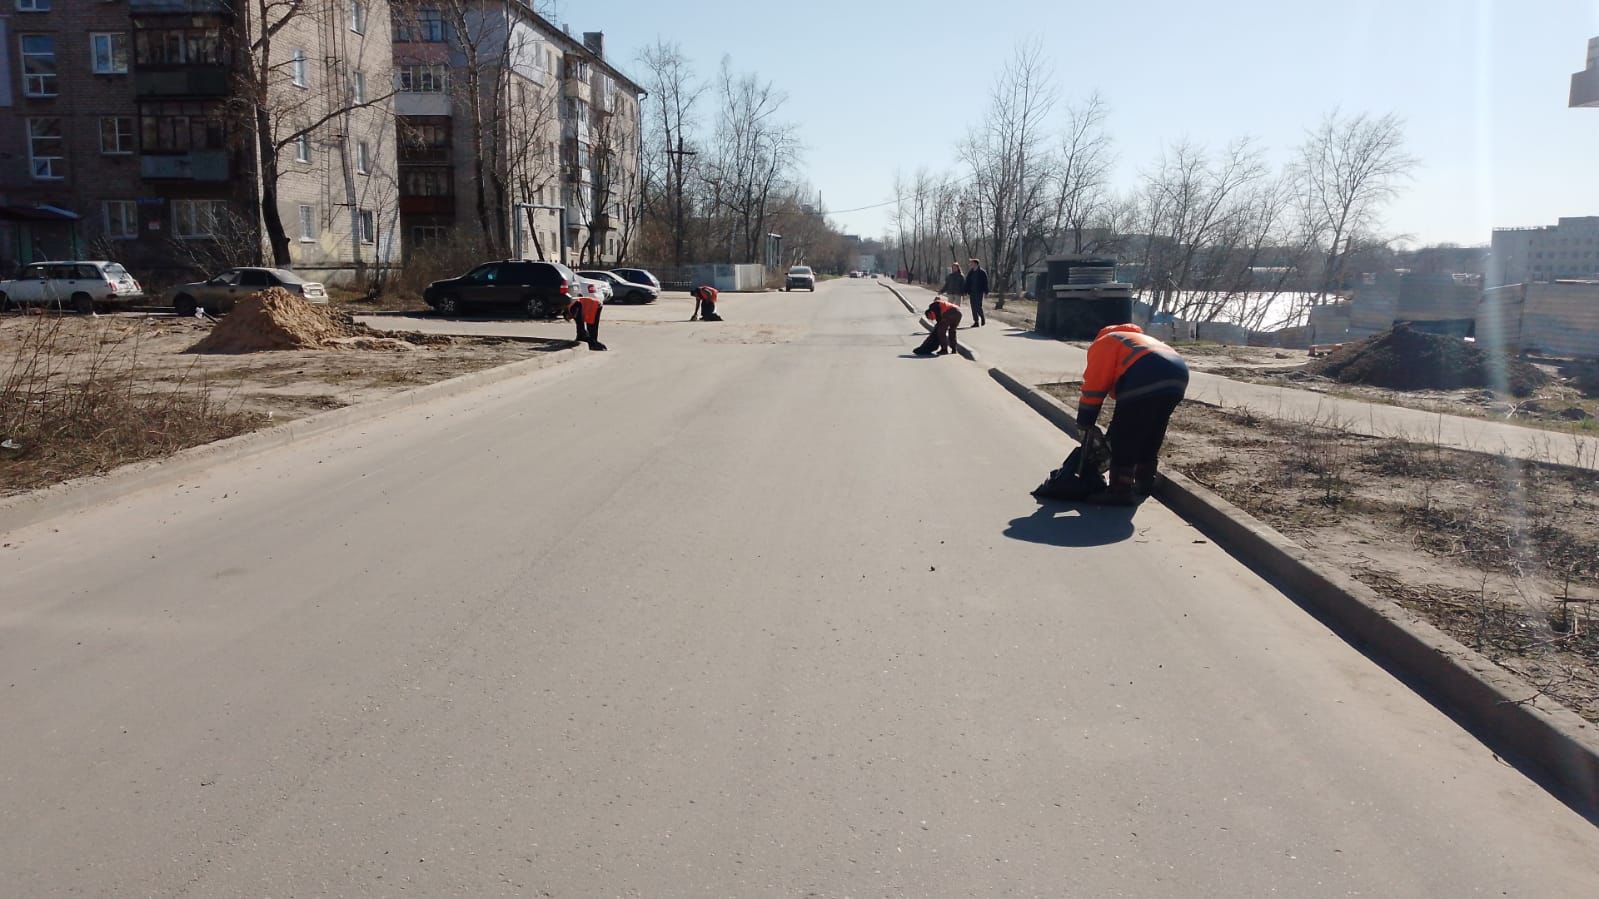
[{"x": 677, "y": 235}]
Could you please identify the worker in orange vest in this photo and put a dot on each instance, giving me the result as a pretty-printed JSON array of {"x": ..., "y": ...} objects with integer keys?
[
  {"x": 705, "y": 303},
  {"x": 1147, "y": 379},
  {"x": 585, "y": 309},
  {"x": 946, "y": 318}
]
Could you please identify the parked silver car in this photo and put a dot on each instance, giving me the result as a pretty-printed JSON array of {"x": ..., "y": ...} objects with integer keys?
[
  {"x": 217, "y": 295},
  {"x": 83, "y": 285}
]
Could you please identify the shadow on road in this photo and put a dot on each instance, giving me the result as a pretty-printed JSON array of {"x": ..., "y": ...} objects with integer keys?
[{"x": 1073, "y": 524}]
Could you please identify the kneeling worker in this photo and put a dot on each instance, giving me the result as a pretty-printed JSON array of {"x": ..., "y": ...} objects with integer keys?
[
  {"x": 946, "y": 317},
  {"x": 705, "y": 303},
  {"x": 1147, "y": 379},
  {"x": 585, "y": 310}
]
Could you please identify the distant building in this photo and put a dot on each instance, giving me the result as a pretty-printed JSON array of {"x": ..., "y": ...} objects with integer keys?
[
  {"x": 1569, "y": 249},
  {"x": 1585, "y": 84}
]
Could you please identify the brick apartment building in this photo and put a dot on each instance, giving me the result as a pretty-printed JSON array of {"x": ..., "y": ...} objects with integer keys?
[
  {"x": 127, "y": 133},
  {"x": 1569, "y": 249},
  {"x": 545, "y": 163}
]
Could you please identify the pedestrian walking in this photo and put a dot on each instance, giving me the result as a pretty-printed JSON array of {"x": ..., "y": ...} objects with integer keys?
[
  {"x": 585, "y": 310},
  {"x": 954, "y": 283},
  {"x": 976, "y": 289},
  {"x": 1147, "y": 379}
]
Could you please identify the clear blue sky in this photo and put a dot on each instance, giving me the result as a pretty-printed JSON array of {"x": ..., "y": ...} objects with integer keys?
[{"x": 1482, "y": 85}]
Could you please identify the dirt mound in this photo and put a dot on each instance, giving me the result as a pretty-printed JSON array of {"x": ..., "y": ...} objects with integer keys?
[
  {"x": 1407, "y": 359},
  {"x": 275, "y": 319}
]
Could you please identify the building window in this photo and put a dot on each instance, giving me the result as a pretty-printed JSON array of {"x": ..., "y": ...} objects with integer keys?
[
  {"x": 116, "y": 135},
  {"x": 298, "y": 68},
  {"x": 358, "y": 17},
  {"x": 358, "y": 87},
  {"x": 180, "y": 128},
  {"x": 121, "y": 219},
  {"x": 178, "y": 46},
  {"x": 46, "y": 149},
  {"x": 421, "y": 79},
  {"x": 363, "y": 157},
  {"x": 110, "y": 53},
  {"x": 428, "y": 182},
  {"x": 369, "y": 226},
  {"x": 38, "y": 65},
  {"x": 33, "y": 5},
  {"x": 422, "y": 235},
  {"x": 302, "y": 148},
  {"x": 198, "y": 218},
  {"x": 307, "y": 224},
  {"x": 427, "y": 28}
]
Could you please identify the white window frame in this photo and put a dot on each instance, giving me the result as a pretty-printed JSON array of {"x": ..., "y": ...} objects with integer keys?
[
  {"x": 358, "y": 87},
  {"x": 358, "y": 17},
  {"x": 368, "y": 225},
  {"x": 125, "y": 226},
  {"x": 302, "y": 148},
  {"x": 38, "y": 84},
  {"x": 307, "y": 223},
  {"x": 187, "y": 215},
  {"x": 54, "y": 167},
  {"x": 363, "y": 157},
  {"x": 298, "y": 69},
  {"x": 33, "y": 5},
  {"x": 408, "y": 78},
  {"x": 111, "y": 40},
  {"x": 120, "y": 146},
  {"x": 426, "y": 234}
]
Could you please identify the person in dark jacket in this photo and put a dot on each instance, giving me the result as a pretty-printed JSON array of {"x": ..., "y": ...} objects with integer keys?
[
  {"x": 1147, "y": 379},
  {"x": 976, "y": 289},
  {"x": 954, "y": 283}
]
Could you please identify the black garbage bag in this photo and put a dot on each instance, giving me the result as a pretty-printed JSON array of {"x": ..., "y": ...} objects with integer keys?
[
  {"x": 1082, "y": 474},
  {"x": 929, "y": 346}
]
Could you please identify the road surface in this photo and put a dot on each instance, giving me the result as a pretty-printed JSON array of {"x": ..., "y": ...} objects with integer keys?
[{"x": 758, "y": 608}]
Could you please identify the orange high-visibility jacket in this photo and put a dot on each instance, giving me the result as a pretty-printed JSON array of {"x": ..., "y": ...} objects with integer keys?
[
  {"x": 586, "y": 306},
  {"x": 707, "y": 294},
  {"x": 940, "y": 309},
  {"x": 1125, "y": 363}
]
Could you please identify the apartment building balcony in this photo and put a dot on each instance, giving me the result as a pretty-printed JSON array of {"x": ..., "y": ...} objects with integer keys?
[
  {"x": 416, "y": 103},
  {"x": 183, "y": 7},
  {"x": 412, "y": 155},
  {"x": 431, "y": 205},
  {"x": 181, "y": 81},
  {"x": 575, "y": 89},
  {"x": 1585, "y": 89},
  {"x": 197, "y": 165}
]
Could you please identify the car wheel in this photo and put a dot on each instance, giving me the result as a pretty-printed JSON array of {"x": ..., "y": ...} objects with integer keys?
[
  {"x": 532, "y": 306},
  {"x": 82, "y": 302},
  {"x": 447, "y": 304},
  {"x": 184, "y": 306}
]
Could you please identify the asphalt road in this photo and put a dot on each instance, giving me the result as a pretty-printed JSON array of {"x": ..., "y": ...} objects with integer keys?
[{"x": 758, "y": 608}]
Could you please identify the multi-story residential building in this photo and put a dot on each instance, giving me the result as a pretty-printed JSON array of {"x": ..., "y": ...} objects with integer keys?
[
  {"x": 144, "y": 124},
  {"x": 1585, "y": 84},
  {"x": 515, "y": 138},
  {"x": 1569, "y": 249}
]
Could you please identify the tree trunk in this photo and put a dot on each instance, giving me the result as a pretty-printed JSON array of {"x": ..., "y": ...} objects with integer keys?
[{"x": 268, "y": 160}]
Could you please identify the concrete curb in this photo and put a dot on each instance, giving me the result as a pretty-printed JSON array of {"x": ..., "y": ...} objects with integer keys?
[
  {"x": 1511, "y": 716},
  {"x": 30, "y": 508},
  {"x": 964, "y": 350}
]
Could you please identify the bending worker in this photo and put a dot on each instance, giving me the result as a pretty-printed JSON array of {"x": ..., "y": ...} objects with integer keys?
[
  {"x": 1147, "y": 379},
  {"x": 585, "y": 310},
  {"x": 705, "y": 303},
  {"x": 946, "y": 318}
]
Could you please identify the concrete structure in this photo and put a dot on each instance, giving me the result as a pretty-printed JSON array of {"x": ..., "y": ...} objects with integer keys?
[
  {"x": 1559, "y": 318},
  {"x": 516, "y": 138},
  {"x": 1585, "y": 84},
  {"x": 1569, "y": 249},
  {"x": 129, "y": 121}
]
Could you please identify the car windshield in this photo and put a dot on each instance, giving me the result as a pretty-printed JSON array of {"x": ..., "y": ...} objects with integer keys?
[
  {"x": 799, "y": 270},
  {"x": 285, "y": 276}
]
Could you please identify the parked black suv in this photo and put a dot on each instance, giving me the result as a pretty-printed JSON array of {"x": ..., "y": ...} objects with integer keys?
[{"x": 538, "y": 289}]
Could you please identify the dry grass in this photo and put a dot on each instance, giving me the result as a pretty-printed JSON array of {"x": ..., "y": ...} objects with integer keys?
[{"x": 67, "y": 411}]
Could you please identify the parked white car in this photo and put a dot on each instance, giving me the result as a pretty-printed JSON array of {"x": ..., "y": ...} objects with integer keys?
[
  {"x": 85, "y": 286},
  {"x": 600, "y": 290}
]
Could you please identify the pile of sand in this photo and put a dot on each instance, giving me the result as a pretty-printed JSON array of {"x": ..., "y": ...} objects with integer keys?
[
  {"x": 1407, "y": 359},
  {"x": 275, "y": 319}
]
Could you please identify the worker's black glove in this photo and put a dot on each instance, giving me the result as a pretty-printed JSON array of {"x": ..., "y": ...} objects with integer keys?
[{"x": 1091, "y": 436}]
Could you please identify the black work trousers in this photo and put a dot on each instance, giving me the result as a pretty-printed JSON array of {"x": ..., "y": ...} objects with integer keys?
[{"x": 1138, "y": 428}]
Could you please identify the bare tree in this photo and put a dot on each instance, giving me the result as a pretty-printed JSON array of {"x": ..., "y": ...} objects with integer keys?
[
  {"x": 669, "y": 152},
  {"x": 1348, "y": 168},
  {"x": 282, "y": 109},
  {"x": 1081, "y": 171}
]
